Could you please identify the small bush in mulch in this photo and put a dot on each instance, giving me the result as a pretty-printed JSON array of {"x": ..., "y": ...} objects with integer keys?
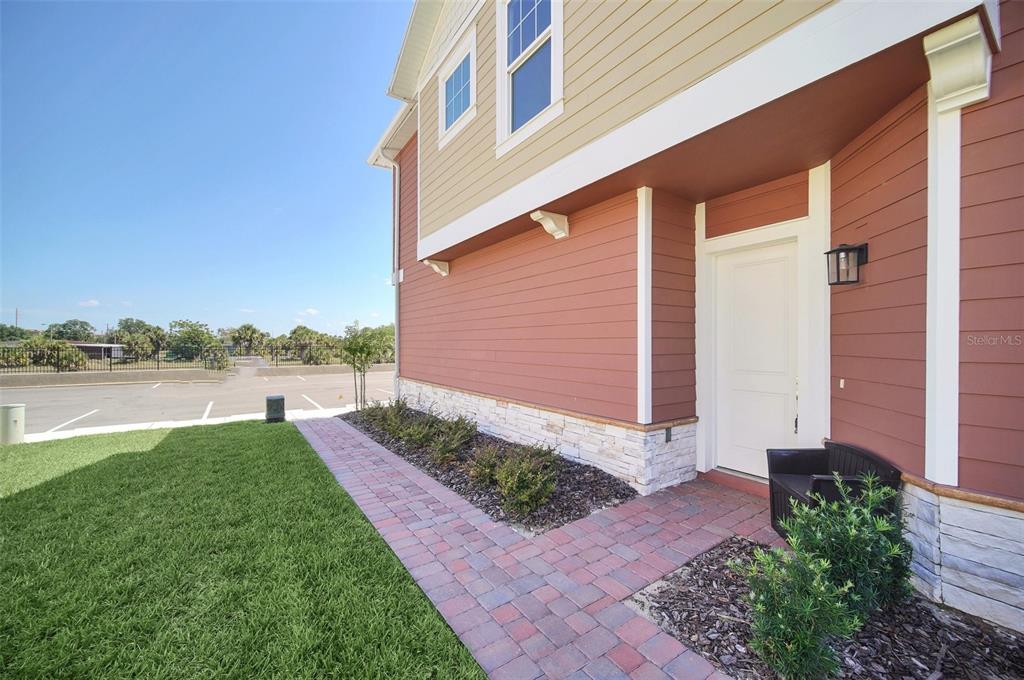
[
  {"x": 532, "y": 487},
  {"x": 704, "y": 604}
]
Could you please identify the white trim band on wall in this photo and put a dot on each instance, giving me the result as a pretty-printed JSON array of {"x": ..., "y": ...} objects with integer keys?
[
  {"x": 644, "y": 246},
  {"x": 959, "y": 61}
]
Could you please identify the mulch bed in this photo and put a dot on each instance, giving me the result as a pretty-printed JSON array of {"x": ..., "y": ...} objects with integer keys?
[
  {"x": 579, "y": 489},
  {"x": 703, "y": 605}
]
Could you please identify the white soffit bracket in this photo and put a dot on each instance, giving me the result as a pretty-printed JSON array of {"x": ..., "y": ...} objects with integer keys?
[
  {"x": 439, "y": 266},
  {"x": 553, "y": 223},
  {"x": 959, "y": 60}
]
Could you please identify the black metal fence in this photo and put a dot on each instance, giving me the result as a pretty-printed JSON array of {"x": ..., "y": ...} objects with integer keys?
[
  {"x": 302, "y": 354},
  {"x": 65, "y": 358}
]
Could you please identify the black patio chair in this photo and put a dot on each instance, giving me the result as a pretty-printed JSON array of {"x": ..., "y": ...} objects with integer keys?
[{"x": 799, "y": 473}]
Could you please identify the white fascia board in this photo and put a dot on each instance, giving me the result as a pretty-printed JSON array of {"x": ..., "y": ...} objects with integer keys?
[
  {"x": 415, "y": 43},
  {"x": 838, "y": 36},
  {"x": 399, "y": 131}
]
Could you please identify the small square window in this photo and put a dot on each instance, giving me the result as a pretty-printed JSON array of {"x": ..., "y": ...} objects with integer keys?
[{"x": 457, "y": 90}]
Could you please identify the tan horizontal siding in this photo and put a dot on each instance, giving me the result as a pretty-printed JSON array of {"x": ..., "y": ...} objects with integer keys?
[
  {"x": 775, "y": 201},
  {"x": 551, "y": 323},
  {"x": 879, "y": 196},
  {"x": 621, "y": 58},
  {"x": 992, "y": 275}
]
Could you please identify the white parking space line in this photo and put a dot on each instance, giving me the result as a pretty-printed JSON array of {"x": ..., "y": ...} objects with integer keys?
[
  {"x": 206, "y": 413},
  {"x": 301, "y": 378},
  {"x": 266, "y": 379},
  {"x": 73, "y": 420},
  {"x": 312, "y": 402},
  {"x": 156, "y": 386}
]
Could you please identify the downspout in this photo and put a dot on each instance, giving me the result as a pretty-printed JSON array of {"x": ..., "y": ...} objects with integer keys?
[{"x": 396, "y": 272}]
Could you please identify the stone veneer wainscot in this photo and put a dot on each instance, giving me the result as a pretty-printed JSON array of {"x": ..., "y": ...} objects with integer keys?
[
  {"x": 968, "y": 555},
  {"x": 639, "y": 455}
]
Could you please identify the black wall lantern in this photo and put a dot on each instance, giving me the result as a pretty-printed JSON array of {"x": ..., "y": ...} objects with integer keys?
[{"x": 844, "y": 263}]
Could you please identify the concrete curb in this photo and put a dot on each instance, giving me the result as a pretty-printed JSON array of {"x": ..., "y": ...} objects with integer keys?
[
  {"x": 182, "y": 375},
  {"x": 290, "y": 415},
  {"x": 270, "y": 371}
]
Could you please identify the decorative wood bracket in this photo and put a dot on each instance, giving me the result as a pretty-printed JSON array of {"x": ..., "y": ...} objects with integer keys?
[
  {"x": 553, "y": 223},
  {"x": 439, "y": 266},
  {"x": 959, "y": 59}
]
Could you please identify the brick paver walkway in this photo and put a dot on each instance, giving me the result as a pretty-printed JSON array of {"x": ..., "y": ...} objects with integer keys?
[{"x": 547, "y": 606}]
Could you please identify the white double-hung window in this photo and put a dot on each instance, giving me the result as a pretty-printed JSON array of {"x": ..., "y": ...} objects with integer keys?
[
  {"x": 456, "y": 89},
  {"x": 529, "y": 70}
]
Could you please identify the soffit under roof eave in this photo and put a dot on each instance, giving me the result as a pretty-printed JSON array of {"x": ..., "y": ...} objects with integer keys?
[
  {"x": 399, "y": 132},
  {"x": 415, "y": 44}
]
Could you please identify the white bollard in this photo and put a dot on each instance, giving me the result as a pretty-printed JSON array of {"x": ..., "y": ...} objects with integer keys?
[{"x": 12, "y": 423}]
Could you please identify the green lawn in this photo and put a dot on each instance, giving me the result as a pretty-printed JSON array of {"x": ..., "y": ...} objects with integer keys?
[{"x": 222, "y": 550}]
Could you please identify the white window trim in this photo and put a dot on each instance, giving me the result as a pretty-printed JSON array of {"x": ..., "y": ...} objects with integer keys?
[
  {"x": 465, "y": 46},
  {"x": 507, "y": 140}
]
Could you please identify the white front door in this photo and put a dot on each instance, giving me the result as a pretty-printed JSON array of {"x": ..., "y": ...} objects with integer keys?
[{"x": 756, "y": 354}]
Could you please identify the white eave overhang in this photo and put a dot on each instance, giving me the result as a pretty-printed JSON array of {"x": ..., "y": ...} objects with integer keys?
[
  {"x": 415, "y": 44},
  {"x": 394, "y": 139},
  {"x": 840, "y": 35}
]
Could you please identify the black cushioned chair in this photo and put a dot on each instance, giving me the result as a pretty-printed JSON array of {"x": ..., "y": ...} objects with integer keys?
[{"x": 797, "y": 473}]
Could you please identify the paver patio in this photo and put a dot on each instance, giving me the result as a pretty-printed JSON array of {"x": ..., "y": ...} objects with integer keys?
[{"x": 551, "y": 605}]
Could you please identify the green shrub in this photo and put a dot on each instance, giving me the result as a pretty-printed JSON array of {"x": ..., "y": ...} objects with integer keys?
[
  {"x": 13, "y": 357},
  {"x": 137, "y": 346},
  {"x": 391, "y": 417},
  {"x": 418, "y": 433},
  {"x": 483, "y": 466},
  {"x": 70, "y": 358},
  {"x": 374, "y": 412},
  {"x": 545, "y": 455},
  {"x": 215, "y": 358},
  {"x": 861, "y": 539},
  {"x": 796, "y": 611},
  {"x": 459, "y": 431},
  {"x": 525, "y": 481},
  {"x": 393, "y": 422},
  {"x": 317, "y": 356},
  {"x": 43, "y": 351},
  {"x": 443, "y": 448}
]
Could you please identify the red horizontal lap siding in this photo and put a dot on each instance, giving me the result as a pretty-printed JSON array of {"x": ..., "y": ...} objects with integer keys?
[
  {"x": 992, "y": 275},
  {"x": 879, "y": 196},
  {"x": 673, "y": 282},
  {"x": 547, "y": 322},
  {"x": 776, "y": 201}
]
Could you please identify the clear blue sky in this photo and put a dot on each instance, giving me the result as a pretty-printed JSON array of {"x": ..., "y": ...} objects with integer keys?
[{"x": 202, "y": 160}]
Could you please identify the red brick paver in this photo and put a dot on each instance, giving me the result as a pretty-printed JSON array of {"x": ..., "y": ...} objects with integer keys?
[{"x": 547, "y": 606}]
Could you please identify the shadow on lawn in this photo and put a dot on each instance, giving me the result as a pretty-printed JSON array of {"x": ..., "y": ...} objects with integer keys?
[{"x": 212, "y": 550}]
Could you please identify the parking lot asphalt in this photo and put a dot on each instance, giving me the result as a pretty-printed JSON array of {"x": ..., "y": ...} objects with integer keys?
[{"x": 51, "y": 409}]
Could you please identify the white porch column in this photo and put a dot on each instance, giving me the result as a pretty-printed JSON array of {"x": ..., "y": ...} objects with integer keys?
[
  {"x": 644, "y": 246},
  {"x": 959, "y": 60}
]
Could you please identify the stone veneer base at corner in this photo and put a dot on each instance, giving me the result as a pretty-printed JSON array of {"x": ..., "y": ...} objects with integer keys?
[
  {"x": 967, "y": 555},
  {"x": 643, "y": 459}
]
